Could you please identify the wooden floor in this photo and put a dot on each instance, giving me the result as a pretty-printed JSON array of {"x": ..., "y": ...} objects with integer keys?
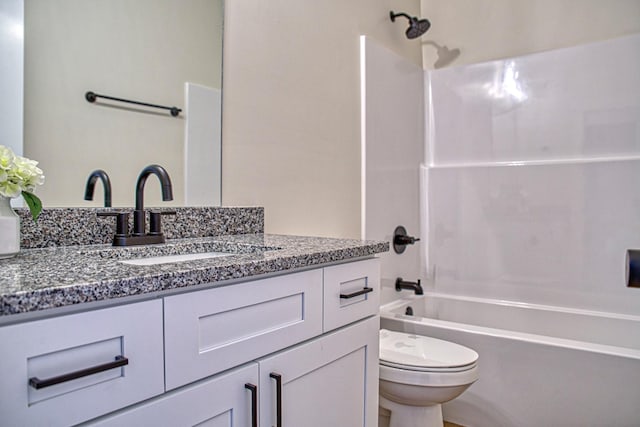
[{"x": 448, "y": 424}]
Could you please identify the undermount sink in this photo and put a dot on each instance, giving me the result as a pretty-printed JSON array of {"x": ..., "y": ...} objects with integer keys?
[
  {"x": 179, "y": 250},
  {"x": 166, "y": 259}
]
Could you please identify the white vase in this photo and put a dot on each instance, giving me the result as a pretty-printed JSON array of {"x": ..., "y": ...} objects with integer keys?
[{"x": 9, "y": 229}]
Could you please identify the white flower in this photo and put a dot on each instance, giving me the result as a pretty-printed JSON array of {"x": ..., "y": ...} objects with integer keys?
[
  {"x": 28, "y": 174},
  {"x": 6, "y": 158},
  {"x": 19, "y": 175},
  {"x": 10, "y": 189}
]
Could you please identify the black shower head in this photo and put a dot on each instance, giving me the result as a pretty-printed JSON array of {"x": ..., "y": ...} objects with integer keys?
[{"x": 417, "y": 27}]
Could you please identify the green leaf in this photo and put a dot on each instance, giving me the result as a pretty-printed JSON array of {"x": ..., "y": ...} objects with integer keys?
[{"x": 34, "y": 203}]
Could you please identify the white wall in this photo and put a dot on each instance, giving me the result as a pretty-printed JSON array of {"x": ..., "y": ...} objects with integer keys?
[
  {"x": 291, "y": 119},
  {"x": 393, "y": 135},
  {"x": 129, "y": 49},
  {"x": 491, "y": 29}
]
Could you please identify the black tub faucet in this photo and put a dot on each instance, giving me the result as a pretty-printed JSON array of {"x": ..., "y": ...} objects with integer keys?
[
  {"x": 414, "y": 286},
  {"x": 167, "y": 195},
  {"x": 91, "y": 184}
]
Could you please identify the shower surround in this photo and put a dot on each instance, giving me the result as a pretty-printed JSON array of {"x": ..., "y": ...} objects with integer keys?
[{"x": 533, "y": 172}]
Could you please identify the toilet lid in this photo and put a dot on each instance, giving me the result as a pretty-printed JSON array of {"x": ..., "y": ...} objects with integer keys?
[{"x": 419, "y": 352}]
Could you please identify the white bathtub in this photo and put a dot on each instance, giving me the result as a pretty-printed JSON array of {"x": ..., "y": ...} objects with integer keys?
[{"x": 539, "y": 365}]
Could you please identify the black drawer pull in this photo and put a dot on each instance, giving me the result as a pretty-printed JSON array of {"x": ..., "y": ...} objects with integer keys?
[
  {"x": 38, "y": 383},
  {"x": 363, "y": 291},
  {"x": 254, "y": 403},
  {"x": 278, "y": 379}
]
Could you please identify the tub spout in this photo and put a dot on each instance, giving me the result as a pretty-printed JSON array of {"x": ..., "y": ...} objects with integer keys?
[{"x": 414, "y": 286}]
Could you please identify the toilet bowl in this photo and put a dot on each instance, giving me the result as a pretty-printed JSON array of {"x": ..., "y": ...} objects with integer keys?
[{"x": 418, "y": 374}]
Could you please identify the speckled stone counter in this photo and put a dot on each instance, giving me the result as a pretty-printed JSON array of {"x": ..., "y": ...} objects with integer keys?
[{"x": 66, "y": 276}]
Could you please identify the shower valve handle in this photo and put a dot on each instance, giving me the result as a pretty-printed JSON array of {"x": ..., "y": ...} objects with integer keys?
[
  {"x": 401, "y": 239},
  {"x": 404, "y": 240}
]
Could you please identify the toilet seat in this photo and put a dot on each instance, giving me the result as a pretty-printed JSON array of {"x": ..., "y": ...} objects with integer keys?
[
  {"x": 415, "y": 353},
  {"x": 427, "y": 369}
]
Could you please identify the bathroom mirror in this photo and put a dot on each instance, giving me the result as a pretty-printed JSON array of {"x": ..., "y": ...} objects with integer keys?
[{"x": 142, "y": 50}]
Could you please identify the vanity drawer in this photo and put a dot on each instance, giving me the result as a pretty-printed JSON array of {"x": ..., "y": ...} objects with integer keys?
[
  {"x": 351, "y": 292},
  {"x": 130, "y": 336},
  {"x": 209, "y": 331}
]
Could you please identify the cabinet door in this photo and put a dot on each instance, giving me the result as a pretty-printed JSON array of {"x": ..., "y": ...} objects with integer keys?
[
  {"x": 222, "y": 401},
  {"x": 329, "y": 381},
  {"x": 209, "y": 331}
]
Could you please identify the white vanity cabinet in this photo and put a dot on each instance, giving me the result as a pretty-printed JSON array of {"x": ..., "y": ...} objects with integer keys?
[
  {"x": 331, "y": 380},
  {"x": 328, "y": 381},
  {"x": 295, "y": 350}
]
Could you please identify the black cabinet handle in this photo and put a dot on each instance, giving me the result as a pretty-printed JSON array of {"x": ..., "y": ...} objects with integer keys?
[
  {"x": 363, "y": 291},
  {"x": 278, "y": 379},
  {"x": 38, "y": 383},
  {"x": 254, "y": 403}
]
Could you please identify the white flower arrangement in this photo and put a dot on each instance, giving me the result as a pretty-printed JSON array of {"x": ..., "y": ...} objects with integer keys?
[{"x": 20, "y": 176}]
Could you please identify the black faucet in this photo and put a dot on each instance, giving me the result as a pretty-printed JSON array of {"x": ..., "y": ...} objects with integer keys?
[
  {"x": 139, "y": 235},
  {"x": 414, "y": 286},
  {"x": 167, "y": 195},
  {"x": 91, "y": 184}
]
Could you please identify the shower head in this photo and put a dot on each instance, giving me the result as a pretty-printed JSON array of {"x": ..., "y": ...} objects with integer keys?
[{"x": 417, "y": 27}]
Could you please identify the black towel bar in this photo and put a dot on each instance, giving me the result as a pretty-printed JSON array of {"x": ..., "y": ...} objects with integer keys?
[{"x": 91, "y": 97}]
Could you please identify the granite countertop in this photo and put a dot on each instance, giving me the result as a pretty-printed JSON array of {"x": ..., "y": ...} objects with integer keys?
[{"x": 64, "y": 276}]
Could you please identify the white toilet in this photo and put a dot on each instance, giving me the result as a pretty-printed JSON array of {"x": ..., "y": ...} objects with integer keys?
[{"x": 418, "y": 374}]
